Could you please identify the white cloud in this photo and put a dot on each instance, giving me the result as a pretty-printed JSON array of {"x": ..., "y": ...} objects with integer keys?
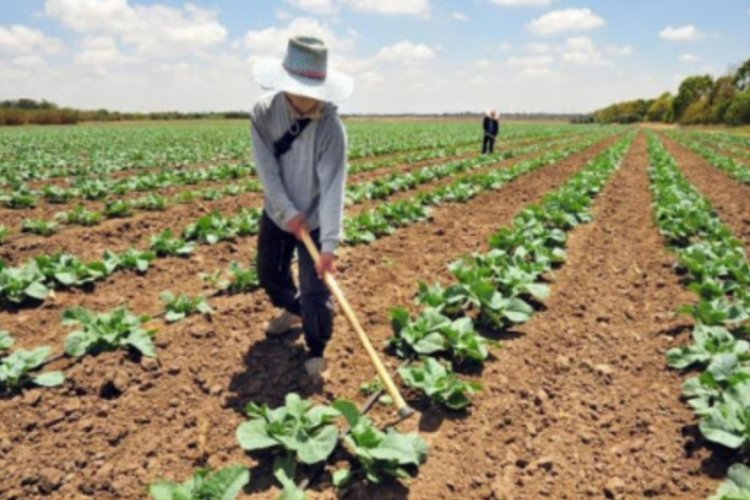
[
  {"x": 322, "y": 7},
  {"x": 420, "y": 8},
  {"x": 537, "y": 48},
  {"x": 99, "y": 51},
  {"x": 28, "y": 61},
  {"x": 273, "y": 41},
  {"x": 681, "y": 34},
  {"x": 478, "y": 80},
  {"x": 405, "y": 51},
  {"x": 619, "y": 50},
  {"x": 505, "y": 47},
  {"x": 523, "y": 3},
  {"x": 565, "y": 20},
  {"x": 540, "y": 73},
  {"x": 21, "y": 39},
  {"x": 689, "y": 58},
  {"x": 151, "y": 30},
  {"x": 581, "y": 51},
  {"x": 530, "y": 62},
  {"x": 483, "y": 64},
  {"x": 460, "y": 16}
]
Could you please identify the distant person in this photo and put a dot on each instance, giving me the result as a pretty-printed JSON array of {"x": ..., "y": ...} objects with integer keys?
[
  {"x": 300, "y": 153},
  {"x": 491, "y": 126}
]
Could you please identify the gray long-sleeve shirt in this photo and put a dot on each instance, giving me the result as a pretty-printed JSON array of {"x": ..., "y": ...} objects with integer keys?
[{"x": 310, "y": 178}]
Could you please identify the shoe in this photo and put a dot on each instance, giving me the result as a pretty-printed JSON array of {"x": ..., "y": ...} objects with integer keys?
[
  {"x": 316, "y": 368},
  {"x": 283, "y": 323}
]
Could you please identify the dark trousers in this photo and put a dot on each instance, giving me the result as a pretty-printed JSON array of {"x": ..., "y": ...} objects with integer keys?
[
  {"x": 488, "y": 145},
  {"x": 313, "y": 300}
]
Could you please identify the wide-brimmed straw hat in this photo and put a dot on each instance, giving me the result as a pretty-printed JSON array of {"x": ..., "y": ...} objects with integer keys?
[{"x": 304, "y": 71}]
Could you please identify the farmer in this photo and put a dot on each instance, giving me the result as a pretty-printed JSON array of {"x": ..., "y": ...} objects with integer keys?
[
  {"x": 300, "y": 153},
  {"x": 491, "y": 129}
]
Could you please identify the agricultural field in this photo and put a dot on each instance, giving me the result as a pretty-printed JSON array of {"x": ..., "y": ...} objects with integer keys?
[{"x": 568, "y": 316}]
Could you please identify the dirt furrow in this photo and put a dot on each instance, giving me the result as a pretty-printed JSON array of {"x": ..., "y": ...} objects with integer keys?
[
  {"x": 93, "y": 438},
  {"x": 165, "y": 273},
  {"x": 730, "y": 197},
  {"x": 580, "y": 403}
]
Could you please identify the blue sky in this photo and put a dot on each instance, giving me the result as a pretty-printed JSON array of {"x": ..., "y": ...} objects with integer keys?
[{"x": 405, "y": 55}]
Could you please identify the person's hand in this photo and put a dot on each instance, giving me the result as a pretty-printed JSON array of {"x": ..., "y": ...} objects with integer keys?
[
  {"x": 297, "y": 225},
  {"x": 326, "y": 264}
]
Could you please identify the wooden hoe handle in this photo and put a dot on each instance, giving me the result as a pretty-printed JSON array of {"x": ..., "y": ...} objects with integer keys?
[{"x": 404, "y": 410}]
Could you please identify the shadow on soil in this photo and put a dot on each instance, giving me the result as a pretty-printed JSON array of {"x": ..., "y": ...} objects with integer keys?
[
  {"x": 274, "y": 367},
  {"x": 718, "y": 459}
]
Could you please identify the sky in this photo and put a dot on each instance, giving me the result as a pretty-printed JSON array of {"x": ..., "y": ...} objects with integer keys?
[{"x": 405, "y": 56}]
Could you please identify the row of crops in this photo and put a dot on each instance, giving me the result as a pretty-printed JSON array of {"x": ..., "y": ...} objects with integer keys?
[
  {"x": 439, "y": 343},
  {"x": 301, "y": 432},
  {"x": 40, "y": 153},
  {"x": 236, "y": 183},
  {"x": 716, "y": 268},
  {"x": 33, "y": 280}
]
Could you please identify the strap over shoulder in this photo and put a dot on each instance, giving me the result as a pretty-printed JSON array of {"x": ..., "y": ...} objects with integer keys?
[{"x": 284, "y": 144}]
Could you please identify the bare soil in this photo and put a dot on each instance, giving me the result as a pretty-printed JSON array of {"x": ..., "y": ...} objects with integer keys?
[{"x": 577, "y": 403}]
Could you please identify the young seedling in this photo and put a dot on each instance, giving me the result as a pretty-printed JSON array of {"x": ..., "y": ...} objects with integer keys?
[
  {"x": 182, "y": 306},
  {"x": 223, "y": 484}
]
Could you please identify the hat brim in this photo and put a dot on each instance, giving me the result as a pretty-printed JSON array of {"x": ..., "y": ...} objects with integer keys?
[{"x": 271, "y": 75}]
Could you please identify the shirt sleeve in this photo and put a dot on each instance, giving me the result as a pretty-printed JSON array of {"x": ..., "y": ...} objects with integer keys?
[
  {"x": 269, "y": 172},
  {"x": 331, "y": 170}
]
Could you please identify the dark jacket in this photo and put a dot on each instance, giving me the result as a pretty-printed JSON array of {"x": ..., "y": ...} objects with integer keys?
[{"x": 491, "y": 126}]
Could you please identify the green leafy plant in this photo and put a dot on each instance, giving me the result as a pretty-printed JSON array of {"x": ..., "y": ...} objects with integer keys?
[
  {"x": 39, "y": 226},
  {"x": 56, "y": 194},
  {"x": 132, "y": 259},
  {"x": 4, "y": 232},
  {"x": 709, "y": 342},
  {"x": 119, "y": 328},
  {"x": 118, "y": 208},
  {"x": 298, "y": 428},
  {"x": 210, "y": 229},
  {"x": 16, "y": 368},
  {"x": 223, "y": 484},
  {"x": 6, "y": 341},
  {"x": 80, "y": 216},
  {"x": 152, "y": 202},
  {"x": 166, "y": 244},
  {"x": 66, "y": 270},
  {"x": 381, "y": 454},
  {"x": 439, "y": 383},
  {"x": 179, "y": 307},
  {"x": 239, "y": 280},
  {"x": 18, "y": 284},
  {"x": 736, "y": 486},
  {"x": 431, "y": 332},
  {"x": 21, "y": 198}
]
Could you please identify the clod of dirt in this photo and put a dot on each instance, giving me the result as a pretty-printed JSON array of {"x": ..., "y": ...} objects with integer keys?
[
  {"x": 614, "y": 487},
  {"x": 149, "y": 364},
  {"x": 562, "y": 363},
  {"x": 605, "y": 370}
]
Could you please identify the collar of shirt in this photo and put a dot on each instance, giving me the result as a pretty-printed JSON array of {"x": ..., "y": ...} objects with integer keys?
[{"x": 315, "y": 114}]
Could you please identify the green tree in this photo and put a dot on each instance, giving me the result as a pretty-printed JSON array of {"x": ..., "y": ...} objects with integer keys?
[
  {"x": 692, "y": 89},
  {"x": 721, "y": 97},
  {"x": 742, "y": 76},
  {"x": 698, "y": 112},
  {"x": 738, "y": 112},
  {"x": 661, "y": 109}
]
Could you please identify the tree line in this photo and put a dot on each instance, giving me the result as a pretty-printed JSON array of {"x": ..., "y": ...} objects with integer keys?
[
  {"x": 700, "y": 99},
  {"x": 32, "y": 112}
]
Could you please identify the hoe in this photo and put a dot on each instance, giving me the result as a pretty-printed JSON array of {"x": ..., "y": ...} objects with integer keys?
[{"x": 404, "y": 410}]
